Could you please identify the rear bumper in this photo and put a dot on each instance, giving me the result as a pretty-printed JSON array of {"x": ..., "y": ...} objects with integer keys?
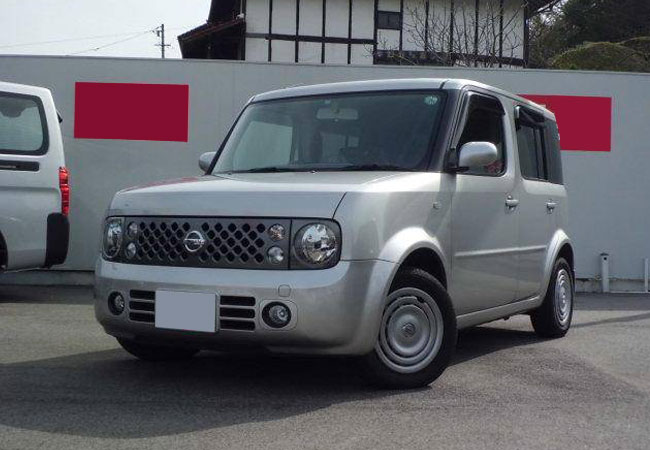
[
  {"x": 58, "y": 235},
  {"x": 337, "y": 310}
]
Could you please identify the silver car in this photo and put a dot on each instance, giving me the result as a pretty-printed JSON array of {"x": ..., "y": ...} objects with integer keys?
[{"x": 372, "y": 219}]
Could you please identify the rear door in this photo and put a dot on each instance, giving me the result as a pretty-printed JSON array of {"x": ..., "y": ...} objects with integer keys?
[
  {"x": 538, "y": 199},
  {"x": 31, "y": 153}
]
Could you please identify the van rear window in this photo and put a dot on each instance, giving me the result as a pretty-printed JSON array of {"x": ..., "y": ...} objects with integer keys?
[{"x": 22, "y": 124}]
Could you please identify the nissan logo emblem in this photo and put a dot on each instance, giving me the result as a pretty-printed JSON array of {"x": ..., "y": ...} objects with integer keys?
[{"x": 194, "y": 241}]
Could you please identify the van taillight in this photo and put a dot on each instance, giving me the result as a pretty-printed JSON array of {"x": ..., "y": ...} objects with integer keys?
[{"x": 64, "y": 186}]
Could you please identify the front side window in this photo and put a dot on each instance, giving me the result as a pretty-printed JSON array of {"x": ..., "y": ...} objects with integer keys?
[
  {"x": 485, "y": 123},
  {"x": 369, "y": 131},
  {"x": 22, "y": 124}
]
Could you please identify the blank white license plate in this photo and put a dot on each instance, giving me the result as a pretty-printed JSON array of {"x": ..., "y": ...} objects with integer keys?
[{"x": 191, "y": 311}]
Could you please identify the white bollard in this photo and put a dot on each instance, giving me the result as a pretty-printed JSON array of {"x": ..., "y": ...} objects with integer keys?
[{"x": 604, "y": 272}]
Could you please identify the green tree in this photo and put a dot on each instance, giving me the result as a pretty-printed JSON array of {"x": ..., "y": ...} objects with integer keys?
[
  {"x": 572, "y": 23},
  {"x": 605, "y": 20}
]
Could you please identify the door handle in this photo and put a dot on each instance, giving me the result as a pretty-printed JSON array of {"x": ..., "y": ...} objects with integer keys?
[
  {"x": 511, "y": 202},
  {"x": 550, "y": 206}
]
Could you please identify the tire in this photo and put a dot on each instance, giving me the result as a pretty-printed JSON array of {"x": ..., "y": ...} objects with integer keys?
[
  {"x": 553, "y": 318},
  {"x": 150, "y": 352},
  {"x": 417, "y": 335}
]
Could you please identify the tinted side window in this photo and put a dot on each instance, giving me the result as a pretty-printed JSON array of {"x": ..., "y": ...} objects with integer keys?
[
  {"x": 553, "y": 156},
  {"x": 529, "y": 145},
  {"x": 22, "y": 124},
  {"x": 485, "y": 123}
]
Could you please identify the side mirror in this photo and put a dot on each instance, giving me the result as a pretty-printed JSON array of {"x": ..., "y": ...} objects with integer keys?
[
  {"x": 205, "y": 160},
  {"x": 479, "y": 153}
]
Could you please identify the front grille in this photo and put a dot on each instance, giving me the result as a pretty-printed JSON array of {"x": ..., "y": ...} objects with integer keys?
[
  {"x": 235, "y": 312},
  {"x": 228, "y": 242}
]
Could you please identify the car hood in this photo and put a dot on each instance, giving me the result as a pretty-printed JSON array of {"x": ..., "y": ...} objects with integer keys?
[{"x": 286, "y": 194}]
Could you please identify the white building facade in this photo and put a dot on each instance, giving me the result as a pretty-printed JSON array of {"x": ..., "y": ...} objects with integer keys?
[{"x": 476, "y": 33}]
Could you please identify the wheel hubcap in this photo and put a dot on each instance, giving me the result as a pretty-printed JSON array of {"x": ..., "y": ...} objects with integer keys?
[
  {"x": 411, "y": 331},
  {"x": 563, "y": 297}
]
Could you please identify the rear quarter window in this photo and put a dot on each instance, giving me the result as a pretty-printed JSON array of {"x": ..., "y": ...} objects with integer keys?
[
  {"x": 553, "y": 155},
  {"x": 23, "y": 127}
]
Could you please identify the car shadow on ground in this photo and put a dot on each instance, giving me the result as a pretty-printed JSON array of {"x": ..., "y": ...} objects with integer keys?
[{"x": 110, "y": 394}]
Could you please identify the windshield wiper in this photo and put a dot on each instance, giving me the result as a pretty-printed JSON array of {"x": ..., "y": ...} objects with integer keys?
[
  {"x": 371, "y": 167},
  {"x": 271, "y": 169}
]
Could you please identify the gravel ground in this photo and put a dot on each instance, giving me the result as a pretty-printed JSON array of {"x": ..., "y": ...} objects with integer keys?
[{"x": 65, "y": 384}]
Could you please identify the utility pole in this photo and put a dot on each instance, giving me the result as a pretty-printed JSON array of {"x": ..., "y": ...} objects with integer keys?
[{"x": 160, "y": 32}]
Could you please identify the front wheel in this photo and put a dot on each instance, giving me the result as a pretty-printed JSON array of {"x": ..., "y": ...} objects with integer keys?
[
  {"x": 553, "y": 318},
  {"x": 417, "y": 335}
]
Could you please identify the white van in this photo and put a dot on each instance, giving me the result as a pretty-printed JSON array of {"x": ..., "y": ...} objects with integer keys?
[{"x": 34, "y": 189}]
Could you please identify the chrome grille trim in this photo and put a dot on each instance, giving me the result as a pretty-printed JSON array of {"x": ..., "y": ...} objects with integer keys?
[{"x": 237, "y": 243}]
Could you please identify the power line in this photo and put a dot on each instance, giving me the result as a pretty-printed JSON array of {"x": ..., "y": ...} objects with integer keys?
[
  {"x": 86, "y": 38},
  {"x": 94, "y": 49}
]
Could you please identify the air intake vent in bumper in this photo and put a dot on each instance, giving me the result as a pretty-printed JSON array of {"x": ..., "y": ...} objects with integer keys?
[
  {"x": 237, "y": 313},
  {"x": 142, "y": 306}
]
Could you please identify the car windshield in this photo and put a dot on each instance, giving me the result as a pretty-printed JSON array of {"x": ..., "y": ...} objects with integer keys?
[{"x": 369, "y": 131}]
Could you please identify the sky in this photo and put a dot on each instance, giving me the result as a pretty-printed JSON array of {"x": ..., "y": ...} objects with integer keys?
[{"x": 96, "y": 27}]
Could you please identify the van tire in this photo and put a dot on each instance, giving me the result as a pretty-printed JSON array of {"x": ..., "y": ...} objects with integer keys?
[
  {"x": 553, "y": 318},
  {"x": 417, "y": 311},
  {"x": 149, "y": 352}
]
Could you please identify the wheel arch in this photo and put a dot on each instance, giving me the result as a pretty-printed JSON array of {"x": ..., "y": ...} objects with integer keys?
[
  {"x": 416, "y": 248},
  {"x": 560, "y": 246},
  {"x": 428, "y": 260}
]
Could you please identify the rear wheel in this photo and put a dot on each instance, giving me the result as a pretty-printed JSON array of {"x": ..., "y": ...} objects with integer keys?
[
  {"x": 417, "y": 335},
  {"x": 150, "y": 352},
  {"x": 553, "y": 318}
]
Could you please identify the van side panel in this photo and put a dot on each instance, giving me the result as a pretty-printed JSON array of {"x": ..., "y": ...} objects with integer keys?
[{"x": 30, "y": 189}]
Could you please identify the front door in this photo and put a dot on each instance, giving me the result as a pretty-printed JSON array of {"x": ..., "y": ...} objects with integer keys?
[{"x": 484, "y": 218}]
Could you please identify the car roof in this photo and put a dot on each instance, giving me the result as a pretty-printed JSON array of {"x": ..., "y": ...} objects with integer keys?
[
  {"x": 23, "y": 89},
  {"x": 391, "y": 85}
]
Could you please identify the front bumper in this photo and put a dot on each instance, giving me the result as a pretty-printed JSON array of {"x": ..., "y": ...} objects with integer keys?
[{"x": 337, "y": 310}]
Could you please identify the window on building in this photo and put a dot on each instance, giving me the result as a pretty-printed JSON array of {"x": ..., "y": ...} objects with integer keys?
[
  {"x": 485, "y": 123},
  {"x": 389, "y": 20}
]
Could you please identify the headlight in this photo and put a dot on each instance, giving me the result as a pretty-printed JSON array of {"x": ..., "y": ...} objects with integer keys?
[
  {"x": 316, "y": 245},
  {"x": 112, "y": 237}
]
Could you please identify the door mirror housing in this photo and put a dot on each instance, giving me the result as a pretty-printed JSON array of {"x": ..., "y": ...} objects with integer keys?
[
  {"x": 477, "y": 154},
  {"x": 205, "y": 160}
]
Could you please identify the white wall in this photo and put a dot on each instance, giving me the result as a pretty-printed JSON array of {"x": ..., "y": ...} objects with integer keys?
[{"x": 607, "y": 190}]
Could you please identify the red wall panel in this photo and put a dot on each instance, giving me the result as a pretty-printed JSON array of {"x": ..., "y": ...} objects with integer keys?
[
  {"x": 143, "y": 112},
  {"x": 585, "y": 123}
]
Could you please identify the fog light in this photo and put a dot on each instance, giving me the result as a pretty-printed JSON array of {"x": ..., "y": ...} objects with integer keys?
[
  {"x": 116, "y": 303},
  {"x": 275, "y": 255},
  {"x": 276, "y": 315}
]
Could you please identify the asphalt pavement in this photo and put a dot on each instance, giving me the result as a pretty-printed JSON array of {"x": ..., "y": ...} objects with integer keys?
[{"x": 65, "y": 384}]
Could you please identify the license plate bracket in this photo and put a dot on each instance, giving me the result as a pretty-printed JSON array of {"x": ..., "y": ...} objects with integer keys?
[{"x": 186, "y": 311}]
